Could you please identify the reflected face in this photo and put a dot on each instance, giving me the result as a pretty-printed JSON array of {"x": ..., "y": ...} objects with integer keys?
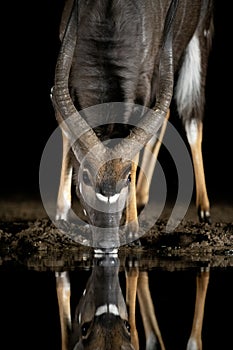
[
  {"x": 106, "y": 332},
  {"x": 101, "y": 319}
]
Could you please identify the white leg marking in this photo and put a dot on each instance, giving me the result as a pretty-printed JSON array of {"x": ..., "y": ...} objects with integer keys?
[
  {"x": 192, "y": 344},
  {"x": 191, "y": 131}
]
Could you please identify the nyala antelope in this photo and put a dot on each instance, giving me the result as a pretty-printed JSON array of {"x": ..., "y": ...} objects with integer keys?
[
  {"x": 134, "y": 52},
  {"x": 104, "y": 319}
]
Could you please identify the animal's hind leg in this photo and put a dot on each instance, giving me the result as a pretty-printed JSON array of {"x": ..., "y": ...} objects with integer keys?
[
  {"x": 190, "y": 97},
  {"x": 149, "y": 159},
  {"x": 202, "y": 281},
  {"x": 194, "y": 130}
]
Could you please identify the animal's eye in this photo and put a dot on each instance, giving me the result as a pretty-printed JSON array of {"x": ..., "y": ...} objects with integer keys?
[
  {"x": 86, "y": 178},
  {"x": 85, "y": 328},
  {"x": 127, "y": 325},
  {"x": 129, "y": 179}
]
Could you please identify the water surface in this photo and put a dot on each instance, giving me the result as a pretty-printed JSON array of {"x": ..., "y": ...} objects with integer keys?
[{"x": 30, "y": 311}]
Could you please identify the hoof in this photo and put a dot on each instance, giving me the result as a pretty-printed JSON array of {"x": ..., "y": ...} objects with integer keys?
[
  {"x": 131, "y": 231},
  {"x": 204, "y": 216},
  {"x": 62, "y": 225},
  {"x": 131, "y": 262},
  {"x": 135, "y": 244}
]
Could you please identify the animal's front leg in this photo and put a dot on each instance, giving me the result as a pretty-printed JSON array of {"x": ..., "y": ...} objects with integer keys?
[
  {"x": 132, "y": 273},
  {"x": 63, "y": 298},
  {"x": 194, "y": 135},
  {"x": 131, "y": 208},
  {"x": 150, "y": 323},
  {"x": 64, "y": 193},
  {"x": 149, "y": 159}
]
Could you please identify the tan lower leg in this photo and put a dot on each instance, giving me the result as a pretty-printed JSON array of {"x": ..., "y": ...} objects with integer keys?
[
  {"x": 149, "y": 159},
  {"x": 202, "y": 200},
  {"x": 131, "y": 209},
  {"x": 150, "y": 323},
  {"x": 195, "y": 340},
  {"x": 64, "y": 193},
  {"x": 63, "y": 297},
  {"x": 131, "y": 293}
]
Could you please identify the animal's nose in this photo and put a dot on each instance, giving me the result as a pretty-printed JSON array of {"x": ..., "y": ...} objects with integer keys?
[
  {"x": 105, "y": 239},
  {"x": 107, "y": 247},
  {"x": 105, "y": 251},
  {"x": 108, "y": 260},
  {"x": 108, "y": 189}
]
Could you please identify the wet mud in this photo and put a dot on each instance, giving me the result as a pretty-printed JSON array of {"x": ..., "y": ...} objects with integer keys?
[{"x": 28, "y": 235}]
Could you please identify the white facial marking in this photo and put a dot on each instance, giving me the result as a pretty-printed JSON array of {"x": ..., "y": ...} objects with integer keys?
[
  {"x": 105, "y": 199},
  {"x": 103, "y": 309},
  {"x": 80, "y": 188},
  {"x": 101, "y": 197},
  {"x": 100, "y": 253},
  {"x": 191, "y": 131},
  {"x": 113, "y": 199},
  {"x": 189, "y": 82},
  {"x": 113, "y": 309}
]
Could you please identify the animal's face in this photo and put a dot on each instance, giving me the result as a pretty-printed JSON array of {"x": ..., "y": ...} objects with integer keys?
[
  {"x": 107, "y": 332},
  {"x": 103, "y": 191}
]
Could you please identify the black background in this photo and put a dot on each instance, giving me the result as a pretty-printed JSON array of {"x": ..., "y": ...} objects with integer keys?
[{"x": 29, "y": 46}]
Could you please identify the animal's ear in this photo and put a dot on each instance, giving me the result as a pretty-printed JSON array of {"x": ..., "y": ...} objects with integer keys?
[{"x": 65, "y": 17}]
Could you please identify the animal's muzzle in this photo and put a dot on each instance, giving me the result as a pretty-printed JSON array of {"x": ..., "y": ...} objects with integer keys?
[{"x": 105, "y": 230}]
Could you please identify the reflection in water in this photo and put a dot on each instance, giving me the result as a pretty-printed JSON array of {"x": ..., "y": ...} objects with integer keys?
[{"x": 104, "y": 319}]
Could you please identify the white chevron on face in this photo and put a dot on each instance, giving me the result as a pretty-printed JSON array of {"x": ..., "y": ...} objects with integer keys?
[
  {"x": 107, "y": 308},
  {"x": 110, "y": 199}
]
